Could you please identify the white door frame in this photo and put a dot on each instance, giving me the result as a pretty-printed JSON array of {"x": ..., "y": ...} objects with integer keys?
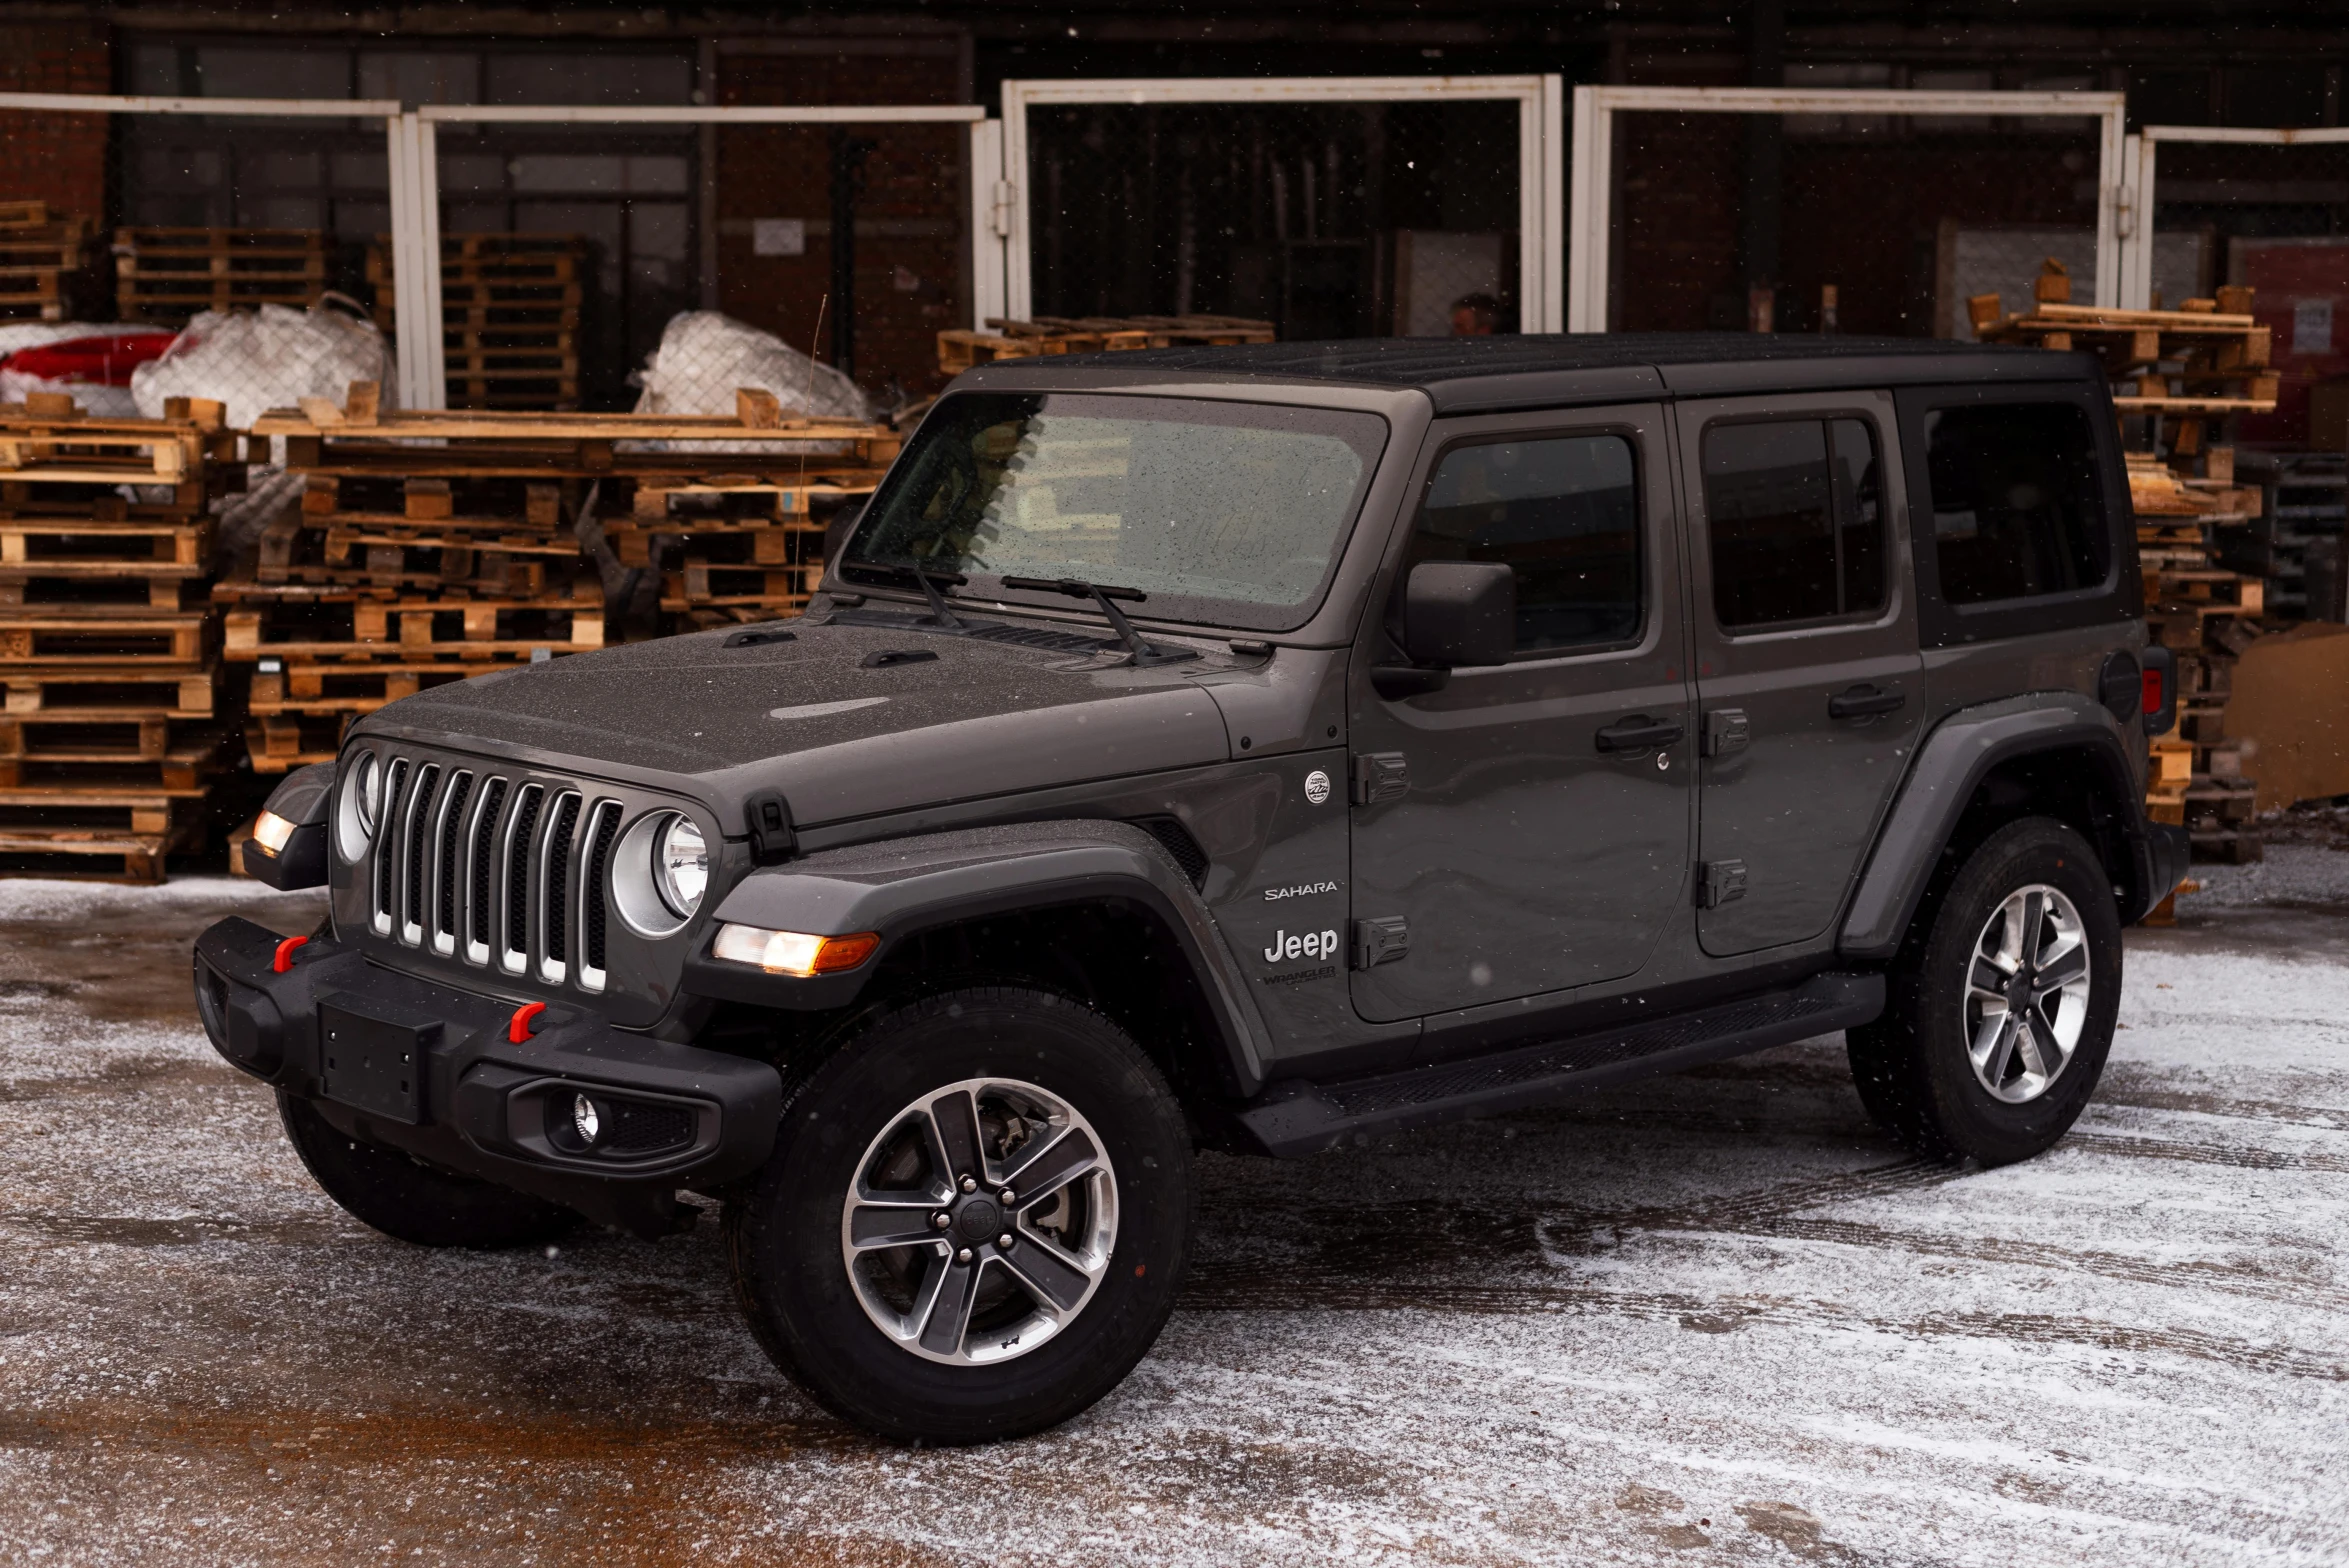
[
  {"x": 1595, "y": 109},
  {"x": 2137, "y": 251},
  {"x": 416, "y": 243},
  {"x": 1540, "y": 104},
  {"x": 421, "y": 375}
]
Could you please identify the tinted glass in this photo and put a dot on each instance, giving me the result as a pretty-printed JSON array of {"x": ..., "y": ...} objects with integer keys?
[
  {"x": 1795, "y": 521},
  {"x": 2017, "y": 508},
  {"x": 1222, "y": 512},
  {"x": 1563, "y": 513}
]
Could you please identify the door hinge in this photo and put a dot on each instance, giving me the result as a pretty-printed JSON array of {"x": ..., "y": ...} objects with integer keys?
[
  {"x": 999, "y": 211},
  {"x": 1720, "y": 882},
  {"x": 1727, "y": 732},
  {"x": 1379, "y": 776},
  {"x": 1380, "y": 941}
]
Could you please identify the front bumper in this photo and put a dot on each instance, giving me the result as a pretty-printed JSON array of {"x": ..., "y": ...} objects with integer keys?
[{"x": 433, "y": 1070}]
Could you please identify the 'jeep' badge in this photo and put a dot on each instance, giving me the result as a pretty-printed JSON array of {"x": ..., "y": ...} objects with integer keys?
[{"x": 1317, "y": 786}]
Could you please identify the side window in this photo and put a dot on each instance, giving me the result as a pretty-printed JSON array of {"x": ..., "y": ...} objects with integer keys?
[
  {"x": 1564, "y": 513},
  {"x": 2017, "y": 509},
  {"x": 1795, "y": 521}
]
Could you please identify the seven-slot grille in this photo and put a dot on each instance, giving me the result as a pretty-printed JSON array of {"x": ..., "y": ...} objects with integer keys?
[{"x": 493, "y": 869}]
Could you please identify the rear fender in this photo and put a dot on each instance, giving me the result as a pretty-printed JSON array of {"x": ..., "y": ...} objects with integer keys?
[{"x": 1954, "y": 761}]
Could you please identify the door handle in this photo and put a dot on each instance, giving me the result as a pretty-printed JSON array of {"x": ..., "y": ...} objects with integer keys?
[
  {"x": 1639, "y": 733},
  {"x": 1863, "y": 702}
]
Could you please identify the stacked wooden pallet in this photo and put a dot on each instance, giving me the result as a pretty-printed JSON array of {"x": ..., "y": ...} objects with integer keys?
[
  {"x": 509, "y": 316},
  {"x": 39, "y": 254},
  {"x": 432, "y": 547},
  {"x": 110, "y": 739},
  {"x": 958, "y": 349},
  {"x": 2296, "y": 543},
  {"x": 167, "y": 275},
  {"x": 2180, "y": 378}
]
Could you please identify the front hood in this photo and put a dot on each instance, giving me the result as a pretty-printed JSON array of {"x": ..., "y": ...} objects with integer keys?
[{"x": 838, "y": 739}]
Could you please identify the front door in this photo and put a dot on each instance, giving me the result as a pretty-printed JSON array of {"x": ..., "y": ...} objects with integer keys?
[
  {"x": 1809, "y": 681},
  {"x": 1527, "y": 828}
]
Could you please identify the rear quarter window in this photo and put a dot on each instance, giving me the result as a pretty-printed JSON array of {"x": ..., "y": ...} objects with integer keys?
[{"x": 2018, "y": 508}]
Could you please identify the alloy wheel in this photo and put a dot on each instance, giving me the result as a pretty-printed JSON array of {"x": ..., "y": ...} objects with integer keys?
[{"x": 2026, "y": 993}]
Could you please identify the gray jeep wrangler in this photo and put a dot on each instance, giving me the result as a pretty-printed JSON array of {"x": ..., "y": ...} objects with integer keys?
[{"x": 1254, "y": 749}]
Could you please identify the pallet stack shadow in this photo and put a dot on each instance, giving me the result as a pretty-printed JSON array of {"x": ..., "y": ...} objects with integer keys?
[
  {"x": 167, "y": 275},
  {"x": 39, "y": 256},
  {"x": 960, "y": 349},
  {"x": 509, "y": 316},
  {"x": 2180, "y": 379},
  {"x": 431, "y": 547},
  {"x": 111, "y": 740}
]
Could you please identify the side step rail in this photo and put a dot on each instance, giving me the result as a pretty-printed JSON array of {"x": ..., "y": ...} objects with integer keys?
[{"x": 1298, "y": 1117}]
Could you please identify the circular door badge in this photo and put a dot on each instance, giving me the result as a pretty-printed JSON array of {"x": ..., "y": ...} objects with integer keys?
[{"x": 1317, "y": 786}]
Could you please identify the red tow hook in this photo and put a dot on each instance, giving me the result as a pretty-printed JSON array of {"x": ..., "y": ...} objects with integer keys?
[
  {"x": 518, "y": 1027},
  {"x": 285, "y": 954}
]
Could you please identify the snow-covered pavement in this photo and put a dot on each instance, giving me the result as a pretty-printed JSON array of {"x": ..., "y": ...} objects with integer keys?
[{"x": 1707, "y": 1318}]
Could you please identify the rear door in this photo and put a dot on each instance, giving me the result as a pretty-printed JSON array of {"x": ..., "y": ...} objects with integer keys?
[
  {"x": 1526, "y": 829},
  {"x": 1809, "y": 680}
]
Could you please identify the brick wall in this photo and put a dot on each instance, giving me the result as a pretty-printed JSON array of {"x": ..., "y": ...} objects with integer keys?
[
  {"x": 910, "y": 241},
  {"x": 56, "y": 158}
]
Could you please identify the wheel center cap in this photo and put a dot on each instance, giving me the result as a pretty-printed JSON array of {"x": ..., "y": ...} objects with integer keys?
[{"x": 978, "y": 1219}]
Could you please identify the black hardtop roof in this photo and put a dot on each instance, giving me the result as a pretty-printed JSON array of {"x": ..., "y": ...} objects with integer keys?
[{"x": 1473, "y": 375}]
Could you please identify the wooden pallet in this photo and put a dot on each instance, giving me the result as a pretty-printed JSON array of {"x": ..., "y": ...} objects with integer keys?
[
  {"x": 105, "y": 636},
  {"x": 359, "y": 428},
  {"x": 100, "y": 692},
  {"x": 54, "y": 829},
  {"x": 187, "y": 766},
  {"x": 300, "y": 688},
  {"x": 107, "y": 538},
  {"x": 460, "y": 629},
  {"x": 50, "y": 439},
  {"x": 703, "y": 582},
  {"x": 82, "y": 587},
  {"x": 454, "y": 501},
  {"x": 280, "y": 743},
  {"x": 23, "y": 214},
  {"x": 175, "y": 272}
]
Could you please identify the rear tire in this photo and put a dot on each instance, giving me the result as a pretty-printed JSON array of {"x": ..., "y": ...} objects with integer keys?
[
  {"x": 411, "y": 1202},
  {"x": 2001, "y": 1005},
  {"x": 1013, "y": 1314}
]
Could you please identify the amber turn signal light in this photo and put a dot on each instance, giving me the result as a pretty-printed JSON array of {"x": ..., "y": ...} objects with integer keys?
[{"x": 794, "y": 952}]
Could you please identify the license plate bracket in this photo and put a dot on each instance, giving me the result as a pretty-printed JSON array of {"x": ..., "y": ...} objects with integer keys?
[{"x": 374, "y": 1064}]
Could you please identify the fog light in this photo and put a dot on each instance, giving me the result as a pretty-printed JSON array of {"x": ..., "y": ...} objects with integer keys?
[
  {"x": 584, "y": 1119},
  {"x": 794, "y": 952},
  {"x": 271, "y": 831}
]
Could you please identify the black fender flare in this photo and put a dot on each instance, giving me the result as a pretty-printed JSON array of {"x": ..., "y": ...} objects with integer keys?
[
  {"x": 1954, "y": 759},
  {"x": 902, "y": 887}
]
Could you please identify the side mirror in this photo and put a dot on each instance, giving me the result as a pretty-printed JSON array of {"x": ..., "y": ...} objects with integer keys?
[
  {"x": 1460, "y": 613},
  {"x": 1455, "y": 613}
]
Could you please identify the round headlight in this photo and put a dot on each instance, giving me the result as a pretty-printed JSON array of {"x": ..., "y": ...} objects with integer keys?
[
  {"x": 367, "y": 792},
  {"x": 681, "y": 866}
]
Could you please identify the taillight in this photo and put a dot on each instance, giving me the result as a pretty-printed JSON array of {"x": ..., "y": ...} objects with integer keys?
[{"x": 2151, "y": 702}]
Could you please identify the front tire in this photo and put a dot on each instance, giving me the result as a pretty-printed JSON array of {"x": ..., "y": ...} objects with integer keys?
[
  {"x": 412, "y": 1202},
  {"x": 975, "y": 1221},
  {"x": 2002, "y": 1003}
]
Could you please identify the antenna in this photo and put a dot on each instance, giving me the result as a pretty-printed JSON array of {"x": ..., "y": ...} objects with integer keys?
[{"x": 807, "y": 402}]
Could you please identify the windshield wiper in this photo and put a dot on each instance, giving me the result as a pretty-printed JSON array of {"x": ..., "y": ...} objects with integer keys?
[
  {"x": 940, "y": 614},
  {"x": 1140, "y": 650}
]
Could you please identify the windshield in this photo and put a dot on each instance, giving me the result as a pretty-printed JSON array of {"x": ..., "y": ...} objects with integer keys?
[{"x": 1227, "y": 513}]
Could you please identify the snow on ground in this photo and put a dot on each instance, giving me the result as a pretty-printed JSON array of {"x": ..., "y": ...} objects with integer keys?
[{"x": 1709, "y": 1318}]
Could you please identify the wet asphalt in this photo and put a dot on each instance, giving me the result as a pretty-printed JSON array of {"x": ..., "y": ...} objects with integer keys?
[{"x": 1714, "y": 1317}]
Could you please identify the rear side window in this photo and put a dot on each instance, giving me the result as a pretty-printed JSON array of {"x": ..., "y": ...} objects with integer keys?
[
  {"x": 2017, "y": 505},
  {"x": 1563, "y": 513},
  {"x": 1794, "y": 518}
]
